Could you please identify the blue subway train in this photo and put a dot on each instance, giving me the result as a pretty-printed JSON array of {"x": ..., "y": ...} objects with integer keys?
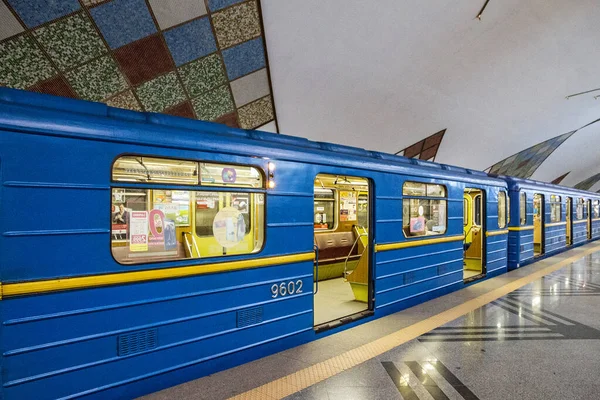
[{"x": 140, "y": 250}]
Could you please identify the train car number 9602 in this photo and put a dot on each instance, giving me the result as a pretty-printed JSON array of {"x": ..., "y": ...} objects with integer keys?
[{"x": 284, "y": 289}]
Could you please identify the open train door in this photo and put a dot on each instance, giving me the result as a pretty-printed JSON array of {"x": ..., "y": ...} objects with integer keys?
[
  {"x": 474, "y": 218},
  {"x": 343, "y": 245},
  {"x": 569, "y": 221}
]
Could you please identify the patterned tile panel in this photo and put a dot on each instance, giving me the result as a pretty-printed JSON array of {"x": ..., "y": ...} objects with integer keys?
[
  {"x": 526, "y": 162},
  {"x": 203, "y": 59},
  {"x": 587, "y": 184},
  {"x": 425, "y": 149},
  {"x": 558, "y": 180}
]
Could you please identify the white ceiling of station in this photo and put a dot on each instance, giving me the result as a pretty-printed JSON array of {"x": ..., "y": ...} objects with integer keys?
[{"x": 383, "y": 75}]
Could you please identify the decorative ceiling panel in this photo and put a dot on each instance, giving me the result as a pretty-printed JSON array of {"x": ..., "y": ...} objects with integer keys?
[
  {"x": 587, "y": 184},
  {"x": 196, "y": 59},
  {"x": 425, "y": 149},
  {"x": 524, "y": 163},
  {"x": 558, "y": 180}
]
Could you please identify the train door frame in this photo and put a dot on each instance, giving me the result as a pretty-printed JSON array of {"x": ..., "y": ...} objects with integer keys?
[
  {"x": 470, "y": 253},
  {"x": 540, "y": 227},
  {"x": 569, "y": 220},
  {"x": 323, "y": 325},
  {"x": 589, "y": 219}
]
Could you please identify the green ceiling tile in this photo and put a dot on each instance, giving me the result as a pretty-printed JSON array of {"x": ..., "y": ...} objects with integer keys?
[
  {"x": 237, "y": 24},
  {"x": 214, "y": 104},
  {"x": 22, "y": 63},
  {"x": 202, "y": 75},
  {"x": 97, "y": 79},
  {"x": 256, "y": 114},
  {"x": 125, "y": 100},
  {"x": 71, "y": 41},
  {"x": 161, "y": 93}
]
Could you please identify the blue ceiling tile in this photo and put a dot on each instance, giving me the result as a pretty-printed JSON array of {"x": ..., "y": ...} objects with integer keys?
[
  {"x": 191, "y": 41},
  {"x": 215, "y": 5},
  {"x": 123, "y": 21},
  {"x": 37, "y": 12},
  {"x": 244, "y": 58}
]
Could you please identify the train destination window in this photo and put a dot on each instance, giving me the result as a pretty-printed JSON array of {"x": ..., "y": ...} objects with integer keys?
[
  {"x": 522, "y": 208},
  {"x": 501, "y": 209},
  {"x": 579, "y": 212},
  {"x": 156, "y": 224},
  {"x": 179, "y": 172},
  {"x": 555, "y": 208},
  {"x": 423, "y": 212},
  {"x": 596, "y": 208}
]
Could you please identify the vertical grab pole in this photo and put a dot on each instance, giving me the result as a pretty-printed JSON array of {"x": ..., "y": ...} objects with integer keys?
[{"x": 316, "y": 248}]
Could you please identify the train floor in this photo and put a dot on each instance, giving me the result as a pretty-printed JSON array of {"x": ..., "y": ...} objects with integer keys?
[
  {"x": 533, "y": 333},
  {"x": 334, "y": 300}
]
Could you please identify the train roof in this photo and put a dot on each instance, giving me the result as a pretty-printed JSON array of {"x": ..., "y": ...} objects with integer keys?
[
  {"x": 518, "y": 183},
  {"x": 97, "y": 121}
]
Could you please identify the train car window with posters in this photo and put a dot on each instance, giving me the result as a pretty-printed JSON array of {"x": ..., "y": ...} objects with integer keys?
[
  {"x": 502, "y": 209},
  {"x": 596, "y": 208},
  {"x": 158, "y": 224},
  {"x": 579, "y": 212},
  {"x": 423, "y": 209},
  {"x": 522, "y": 208},
  {"x": 325, "y": 208},
  {"x": 555, "y": 208}
]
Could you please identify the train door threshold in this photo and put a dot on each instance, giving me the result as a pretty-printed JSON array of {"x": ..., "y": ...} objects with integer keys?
[{"x": 342, "y": 321}]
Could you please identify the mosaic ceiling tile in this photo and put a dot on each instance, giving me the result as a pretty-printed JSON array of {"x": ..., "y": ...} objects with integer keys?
[
  {"x": 244, "y": 58},
  {"x": 56, "y": 86},
  {"x": 587, "y": 184},
  {"x": 429, "y": 153},
  {"x": 213, "y": 104},
  {"x": 558, "y": 180},
  {"x": 174, "y": 12},
  {"x": 202, "y": 75},
  {"x": 123, "y": 21},
  {"x": 184, "y": 109},
  {"x": 161, "y": 93},
  {"x": 90, "y": 3},
  {"x": 125, "y": 100},
  {"x": 37, "y": 12},
  {"x": 191, "y": 41},
  {"x": 414, "y": 150},
  {"x": 425, "y": 149},
  {"x": 9, "y": 26},
  {"x": 434, "y": 139},
  {"x": 71, "y": 41},
  {"x": 97, "y": 80},
  {"x": 250, "y": 87},
  {"x": 229, "y": 120},
  {"x": 22, "y": 63},
  {"x": 256, "y": 114},
  {"x": 526, "y": 162},
  {"x": 144, "y": 59},
  {"x": 215, "y": 5},
  {"x": 237, "y": 24}
]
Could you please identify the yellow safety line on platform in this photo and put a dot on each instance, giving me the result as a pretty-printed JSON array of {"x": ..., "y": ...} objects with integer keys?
[
  {"x": 290, "y": 384},
  {"x": 496, "y": 233},
  {"x": 81, "y": 282},
  {"x": 520, "y": 228},
  {"x": 415, "y": 243}
]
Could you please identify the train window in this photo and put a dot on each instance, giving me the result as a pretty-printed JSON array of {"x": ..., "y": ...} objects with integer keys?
[
  {"x": 522, "y": 208},
  {"x": 596, "y": 208},
  {"x": 465, "y": 211},
  {"x": 555, "y": 208},
  {"x": 151, "y": 225},
  {"x": 423, "y": 213},
  {"x": 501, "y": 209},
  {"x": 180, "y": 172},
  {"x": 363, "y": 210},
  {"x": 477, "y": 210},
  {"x": 324, "y": 208},
  {"x": 579, "y": 212}
]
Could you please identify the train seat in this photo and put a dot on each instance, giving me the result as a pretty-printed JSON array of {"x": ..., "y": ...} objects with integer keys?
[{"x": 334, "y": 247}]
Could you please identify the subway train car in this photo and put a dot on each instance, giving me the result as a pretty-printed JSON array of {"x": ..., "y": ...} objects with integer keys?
[
  {"x": 548, "y": 219},
  {"x": 142, "y": 250}
]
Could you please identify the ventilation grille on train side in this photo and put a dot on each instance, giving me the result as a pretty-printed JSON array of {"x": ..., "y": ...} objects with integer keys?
[
  {"x": 249, "y": 316},
  {"x": 136, "y": 342}
]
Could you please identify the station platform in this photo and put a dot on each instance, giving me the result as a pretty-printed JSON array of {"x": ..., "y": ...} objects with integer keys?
[{"x": 533, "y": 333}]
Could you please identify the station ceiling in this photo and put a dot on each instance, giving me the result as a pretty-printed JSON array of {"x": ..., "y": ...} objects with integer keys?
[{"x": 421, "y": 79}]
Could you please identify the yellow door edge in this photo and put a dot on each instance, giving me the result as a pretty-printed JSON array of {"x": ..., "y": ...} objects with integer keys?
[
  {"x": 120, "y": 278},
  {"x": 415, "y": 243}
]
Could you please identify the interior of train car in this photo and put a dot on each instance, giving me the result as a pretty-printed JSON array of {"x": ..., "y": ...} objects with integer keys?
[
  {"x": 538, "y": 224},
  {"x": 569, "y": 220},
  {"x": 473, "y": 245},
  {"x": 341, "y": 234},
  {"x": 155, "y": 224}
]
